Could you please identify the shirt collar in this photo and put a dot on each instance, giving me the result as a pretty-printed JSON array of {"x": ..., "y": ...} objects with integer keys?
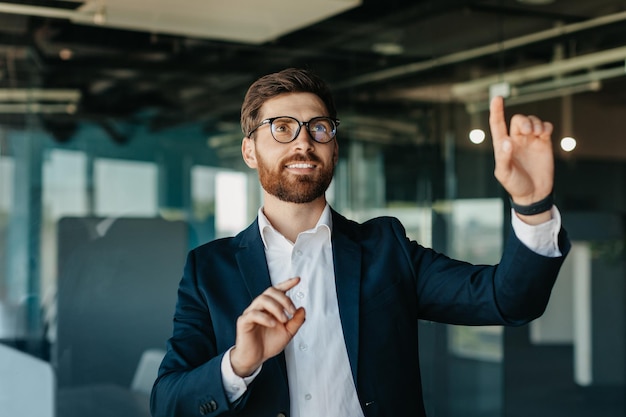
[{"x": 325, "y": 222}]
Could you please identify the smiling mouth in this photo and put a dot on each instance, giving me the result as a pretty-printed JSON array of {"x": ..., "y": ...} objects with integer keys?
[{"x": 300, "y": 165}]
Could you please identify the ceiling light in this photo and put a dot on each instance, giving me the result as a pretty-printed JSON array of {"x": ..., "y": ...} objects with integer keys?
[
  {"x": 568, "y": 144},
  {"x": 100, "y": 16},
  {"x": 477, "y": 136},
  {"x": 388, "y": 48},
  {"x": 30, "y": 95},
  {"x": 71, "y": 108},
  {"x": 66, "y": 54}
]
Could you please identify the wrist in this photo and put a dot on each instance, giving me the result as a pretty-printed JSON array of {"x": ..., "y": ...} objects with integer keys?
[{"x": 240, "y": 369}]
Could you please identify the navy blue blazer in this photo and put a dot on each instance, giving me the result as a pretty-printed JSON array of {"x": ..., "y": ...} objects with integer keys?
[{"x": 385, "y": 283}]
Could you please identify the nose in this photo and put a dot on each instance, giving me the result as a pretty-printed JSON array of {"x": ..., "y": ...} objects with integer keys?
[{"x": 303, "y": 140}]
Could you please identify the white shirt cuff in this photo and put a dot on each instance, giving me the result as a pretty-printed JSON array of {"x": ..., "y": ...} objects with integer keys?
[
  {"x": 543, "y": 239},
  {"x": 234, "y": 385}
]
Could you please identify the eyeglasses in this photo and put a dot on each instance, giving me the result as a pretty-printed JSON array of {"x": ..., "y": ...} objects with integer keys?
[{"x": 286, "y": 128}]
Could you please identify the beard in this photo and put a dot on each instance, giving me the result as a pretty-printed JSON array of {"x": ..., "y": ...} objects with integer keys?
[{"x": 294, "y": 188}]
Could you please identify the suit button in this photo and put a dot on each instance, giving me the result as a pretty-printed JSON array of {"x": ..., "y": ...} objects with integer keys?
[
  {"x": 207, "y": 408},
  {"x": 212, "y": 406},
  {"x": 281, "y": 415}
]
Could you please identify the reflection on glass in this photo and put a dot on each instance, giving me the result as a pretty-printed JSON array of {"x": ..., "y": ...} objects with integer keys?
[
  {"x": 7, "y": 307},
  {"x": 220, "y": 202},
  {"x": 125, "y": 188},
  {"x": 63, "y": 194},
  {"x": 477, "y": 229}
]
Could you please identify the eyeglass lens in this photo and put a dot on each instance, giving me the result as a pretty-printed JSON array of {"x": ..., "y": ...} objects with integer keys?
[{"x": 321, "y": 129}]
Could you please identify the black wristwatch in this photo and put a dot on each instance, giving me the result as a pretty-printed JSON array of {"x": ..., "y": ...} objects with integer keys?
[{"x": 534, "y": 208}]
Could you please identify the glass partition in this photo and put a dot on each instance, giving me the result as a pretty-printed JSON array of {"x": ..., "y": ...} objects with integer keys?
[{"x": 90, "y": 239}]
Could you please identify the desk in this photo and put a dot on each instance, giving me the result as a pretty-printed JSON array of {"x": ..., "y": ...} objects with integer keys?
[{"x": 26, "y": 384}]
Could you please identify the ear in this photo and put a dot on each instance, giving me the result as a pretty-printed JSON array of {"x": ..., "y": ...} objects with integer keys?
[{"x": 248, "y": 152}]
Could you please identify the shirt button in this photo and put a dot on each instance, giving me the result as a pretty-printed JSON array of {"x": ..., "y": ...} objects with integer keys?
[
  {"x": 303, "y": 346},
  {"x": 299, "y": 252},
  {"x": 235, "y": 388},
  {"x": 299, "y": 295},
  {"x": 308, "y": 397}
]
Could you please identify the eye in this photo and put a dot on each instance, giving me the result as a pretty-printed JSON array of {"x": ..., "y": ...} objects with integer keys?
[
  {"x": 283, "y": 126},
  {"x": 320, "y": 126}
]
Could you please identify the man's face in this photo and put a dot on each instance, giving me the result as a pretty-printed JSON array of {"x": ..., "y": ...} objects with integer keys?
[{"x": 299, "y": 171}]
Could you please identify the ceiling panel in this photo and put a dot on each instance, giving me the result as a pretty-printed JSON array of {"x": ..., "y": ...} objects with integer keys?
[{"x": 250, "y": 21}]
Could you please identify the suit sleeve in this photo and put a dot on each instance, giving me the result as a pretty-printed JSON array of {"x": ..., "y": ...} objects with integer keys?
[
  {"x": 513, "y": 292},
  {"x": 189, "y": 381}
]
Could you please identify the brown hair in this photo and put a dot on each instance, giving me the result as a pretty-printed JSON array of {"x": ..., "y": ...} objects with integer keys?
[{"x": 291, "y": 80}]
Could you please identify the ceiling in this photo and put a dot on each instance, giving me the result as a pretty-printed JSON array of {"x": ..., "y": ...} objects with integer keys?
[{"x": 149, "y": 63}]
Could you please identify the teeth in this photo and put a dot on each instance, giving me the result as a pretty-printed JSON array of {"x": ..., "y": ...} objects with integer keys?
[{"x": 302, "y": 165}]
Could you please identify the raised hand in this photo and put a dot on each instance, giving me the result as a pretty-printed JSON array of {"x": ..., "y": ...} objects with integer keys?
[
  {"x": 524, "y": 157},
  {"x": 265, "y": 328}
]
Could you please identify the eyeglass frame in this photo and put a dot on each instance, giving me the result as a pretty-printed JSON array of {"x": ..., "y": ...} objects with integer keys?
[{"x": 270, "y": 120}]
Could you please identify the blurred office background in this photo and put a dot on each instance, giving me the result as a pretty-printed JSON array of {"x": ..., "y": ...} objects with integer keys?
[{"x": 120, "y": 151}]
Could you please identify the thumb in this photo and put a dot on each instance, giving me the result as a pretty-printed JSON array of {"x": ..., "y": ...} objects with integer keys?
[{"x": 296, "y": 322}]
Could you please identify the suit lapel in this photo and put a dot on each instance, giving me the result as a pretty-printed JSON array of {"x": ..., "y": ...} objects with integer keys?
[
  {"x": 347, "y": 262},
  {"x": 253, "y": 267},
  {"x": 251, "y": 261}
]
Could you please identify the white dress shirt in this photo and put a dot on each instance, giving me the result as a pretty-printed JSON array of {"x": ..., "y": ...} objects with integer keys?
[
  {"x": 318, "y": 369},
  {"x": 542, "y": 239}
]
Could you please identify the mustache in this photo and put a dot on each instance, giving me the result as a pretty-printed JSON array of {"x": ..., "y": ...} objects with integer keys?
[{"x": 301, "y": 158}]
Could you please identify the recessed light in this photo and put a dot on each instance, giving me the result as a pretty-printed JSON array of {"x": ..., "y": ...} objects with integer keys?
[
  {"x": 568, "y": 144},
  {"x": 477, "y": 136},
  {"x": 66, "y": 54}
]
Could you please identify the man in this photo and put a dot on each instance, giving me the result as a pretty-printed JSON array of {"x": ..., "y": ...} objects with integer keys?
[{"x": 308, "y": 314}]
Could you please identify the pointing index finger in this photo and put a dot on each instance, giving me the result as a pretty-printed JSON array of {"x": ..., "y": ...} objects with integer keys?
[
  {"x": 288, "y": 284},
  {"x": 497, "y": 123}
]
